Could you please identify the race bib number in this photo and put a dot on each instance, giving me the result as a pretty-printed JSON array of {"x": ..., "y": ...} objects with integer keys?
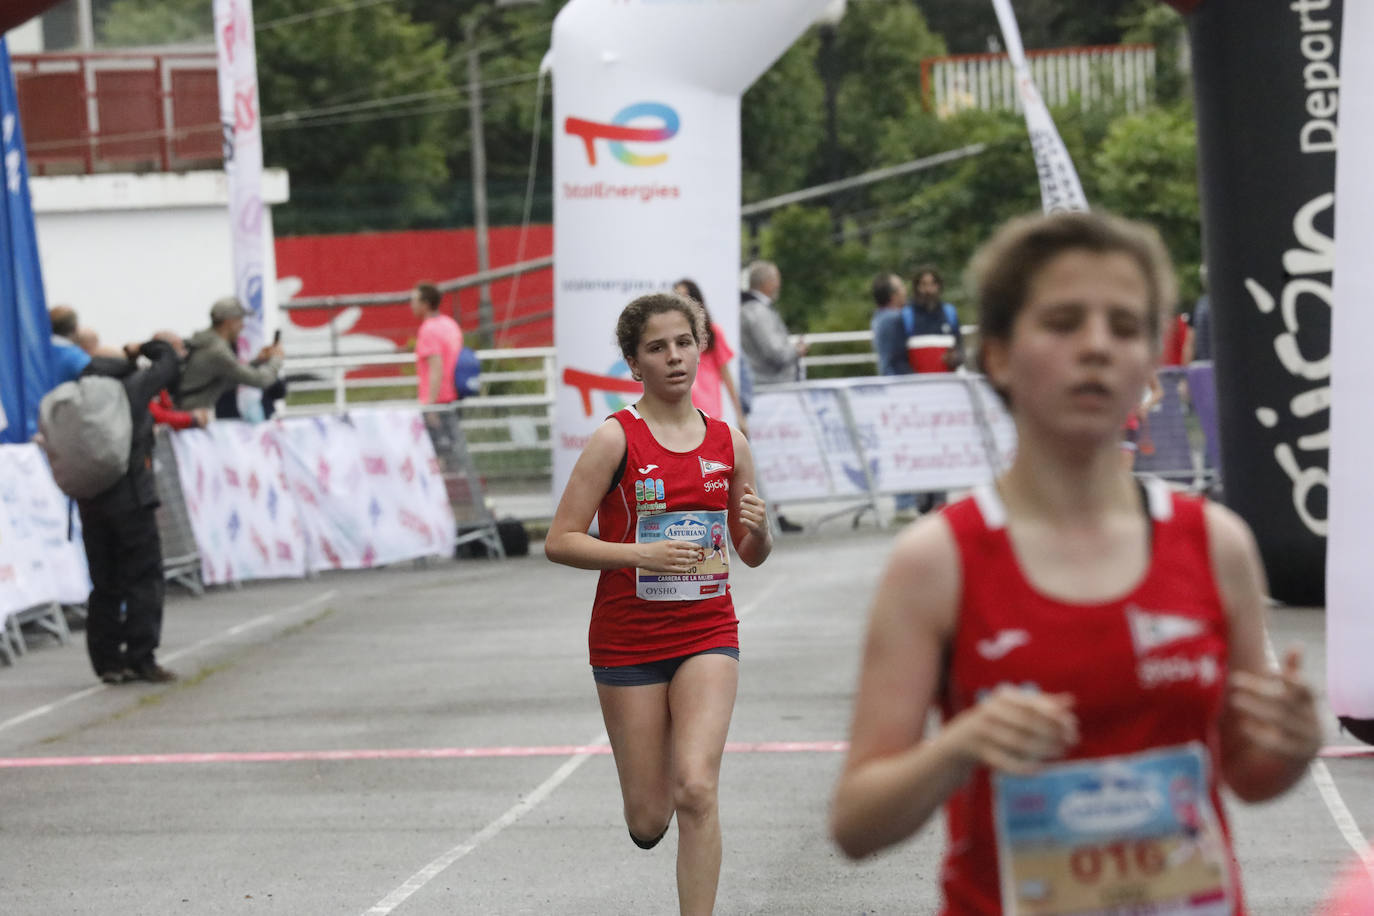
[
  {"x": 705, "y": 580},
  {"x": 1131, "y": 835}
]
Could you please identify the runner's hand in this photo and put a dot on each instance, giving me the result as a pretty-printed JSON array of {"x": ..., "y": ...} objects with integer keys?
[
  {"x": 1276, "y": 711},
  {"x": 1016, "y": 730},
  {"x": 753, "y": 512},
  {"x": 668, "y": 556}
]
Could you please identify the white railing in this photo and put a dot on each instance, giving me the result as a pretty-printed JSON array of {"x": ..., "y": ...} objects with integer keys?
[
  {"x": 1101, "y": 75},
  {"x": 509, "y": 423}
]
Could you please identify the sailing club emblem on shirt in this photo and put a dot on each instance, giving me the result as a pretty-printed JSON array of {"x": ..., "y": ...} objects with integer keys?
[{"x": 709, "y": 467}]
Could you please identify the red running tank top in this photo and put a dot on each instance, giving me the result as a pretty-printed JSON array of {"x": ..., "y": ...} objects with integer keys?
[
  {"x": 630, "y": 630},
  {"x": 1146, "y": 671}
]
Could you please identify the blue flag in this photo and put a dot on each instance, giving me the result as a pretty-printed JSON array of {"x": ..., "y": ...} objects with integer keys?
[{"x": 26, "y": 372}]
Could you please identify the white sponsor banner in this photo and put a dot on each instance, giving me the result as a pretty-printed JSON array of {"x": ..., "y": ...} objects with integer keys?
[
  {"x": 910, "y": 435},
  {"x": 1060, "y": 188},
  {"x": 369, "y": 487},
  {"x": 240, "y": 117},
  {"x": 923, "y": 435},
  {"x": 301, "y": 495},
  {"x": 39, "y": 562},
  {"x": 1349, "y": 574},
  {"x": 243, "y": 515},
  {"x": 646, "y": 175},
  {"x": 802, "y": 446}
]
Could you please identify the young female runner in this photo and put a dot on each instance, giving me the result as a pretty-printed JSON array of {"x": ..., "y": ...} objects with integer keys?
[
  {"x": 1092, "y": 643},
  {"x": 663, "y": 479}
]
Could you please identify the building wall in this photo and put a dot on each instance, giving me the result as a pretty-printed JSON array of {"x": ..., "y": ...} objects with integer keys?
[{"x": 134, "y": 254}]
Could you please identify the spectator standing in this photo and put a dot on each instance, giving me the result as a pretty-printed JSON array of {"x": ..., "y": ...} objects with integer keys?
[
  {"x": 888, "y": 326},
  {"x": 713, "y": 370},
  {"x": 213, "y": 369},
  {"x": 68, "y": 358},
  {"x": 1202, "y": 321},
  {"x": 928, "y": 314},
  {"x": 437, "y": 345},
  {"x": 889, "y": 344},
  {"x": 771, "y": 355},
  {"x": 123, "y": 548}
]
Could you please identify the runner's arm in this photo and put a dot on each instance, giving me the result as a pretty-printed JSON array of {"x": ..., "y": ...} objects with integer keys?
[
  {"x": 748, "y": 515},
  {"x": 894, "y": 779},
  {"x": 1269, "y": 728}
]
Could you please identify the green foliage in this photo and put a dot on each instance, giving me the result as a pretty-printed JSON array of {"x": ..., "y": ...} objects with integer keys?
[
  {"x": 817, "y": 269},
  {"x": 783, "y": 124},
  {"x": 1146, "y": 169}
]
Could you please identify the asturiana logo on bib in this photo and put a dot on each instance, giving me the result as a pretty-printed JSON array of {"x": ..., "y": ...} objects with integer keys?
[{"x": 689, "y": 529}]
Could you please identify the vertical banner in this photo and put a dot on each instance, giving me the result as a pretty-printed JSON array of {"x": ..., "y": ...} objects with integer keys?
[
  {"x": 25, "y": 364},
  {"x": 1267, "y": 82},
  {"x": 646, "y": 176},
  {"x": 240, "y": 118},
  {"x": 1060, "y": 188},
  {"x": 1350, "y": 576}
]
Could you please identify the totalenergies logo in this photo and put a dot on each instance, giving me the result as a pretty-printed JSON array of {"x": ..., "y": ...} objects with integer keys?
[{"x": 619, "y": 132}]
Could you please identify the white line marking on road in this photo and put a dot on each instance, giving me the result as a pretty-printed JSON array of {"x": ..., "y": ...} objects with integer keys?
[
  {"x": 1331, "y": 796},
  {"x": 431, "y": 871},
  {"x": 46, "y": 708}
]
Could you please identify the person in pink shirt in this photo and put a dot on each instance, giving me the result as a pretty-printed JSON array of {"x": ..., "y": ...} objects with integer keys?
[
  {"x": 437, "y": 345},
  {"x": 714, "y": 368}
]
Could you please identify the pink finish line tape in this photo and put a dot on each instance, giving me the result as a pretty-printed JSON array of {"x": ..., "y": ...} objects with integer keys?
[
  {"x": 454, "y": 753},
  {"x": 437, "y": 753}
]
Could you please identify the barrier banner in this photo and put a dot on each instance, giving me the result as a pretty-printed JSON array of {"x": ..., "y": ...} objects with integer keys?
[
  {"x": 246, "y": 521},
  {"x": 646, "y": 176},
  {"x": 1349, "y": 574},
  {"x": 921, "y": 436},
  {"x": 369, "y": 489},
  {"x": 802, "y": 446},
  {"x": 1268, "y": 86},
  {"x": 38, "y": 563}
]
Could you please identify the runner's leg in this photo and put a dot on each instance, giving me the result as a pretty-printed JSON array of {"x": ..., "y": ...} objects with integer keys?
[
  {"x": 701, "y": 699},
  {"x": 637, "y": 724}
]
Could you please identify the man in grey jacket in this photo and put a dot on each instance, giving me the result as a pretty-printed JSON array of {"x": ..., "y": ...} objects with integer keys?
[
  {"x": 769, "y": 353},
  {"x": 772, "y": 356},
  {"x": 213, "y": 366}
]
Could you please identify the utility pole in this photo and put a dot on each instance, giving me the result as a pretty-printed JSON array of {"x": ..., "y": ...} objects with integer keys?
[{"x": 486, "y": 317}]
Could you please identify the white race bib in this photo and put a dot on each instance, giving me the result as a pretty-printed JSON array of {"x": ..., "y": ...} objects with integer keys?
[
  {"x": 704, "y": 529},
  {"x": 1122, "y": 835}
]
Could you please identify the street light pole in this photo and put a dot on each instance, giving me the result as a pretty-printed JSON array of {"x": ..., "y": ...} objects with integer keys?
[{"x": 486, "y": 317}]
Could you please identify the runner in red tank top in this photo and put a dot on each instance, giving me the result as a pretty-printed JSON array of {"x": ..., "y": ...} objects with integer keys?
[
  {"x": 666, "y": 483},
  {"x": 1096, "y": 647}
]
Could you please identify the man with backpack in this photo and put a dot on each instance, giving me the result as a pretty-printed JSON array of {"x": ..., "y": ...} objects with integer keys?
[
  {"x": 927, "y": 314},
  {"x": 79, "y": 422},
  {"x": 438, "y": 346}
]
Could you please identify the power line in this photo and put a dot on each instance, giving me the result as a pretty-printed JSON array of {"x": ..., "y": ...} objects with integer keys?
[{"x": 318, "y": 14}]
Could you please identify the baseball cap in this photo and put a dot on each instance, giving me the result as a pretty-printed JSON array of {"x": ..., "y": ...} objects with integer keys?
[{"x": 226, "y": 309}]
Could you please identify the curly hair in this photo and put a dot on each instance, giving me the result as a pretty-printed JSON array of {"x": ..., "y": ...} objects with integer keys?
[{"x": 630, "y": 326}]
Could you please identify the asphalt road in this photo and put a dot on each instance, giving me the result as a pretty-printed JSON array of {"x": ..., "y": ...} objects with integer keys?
[{"x": 407, "y": 741}]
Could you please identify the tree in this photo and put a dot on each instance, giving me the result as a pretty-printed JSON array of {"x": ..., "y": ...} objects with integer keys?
[
  {"x": 970, "y": 26},
  {"x": 1146, "y": 169},
  {"x": 783, "y": 124}
]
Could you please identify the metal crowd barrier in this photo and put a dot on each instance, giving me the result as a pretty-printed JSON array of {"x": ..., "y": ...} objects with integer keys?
[
  {"x": 856, "y": 441},
  {"x": 180, "y": 556}
]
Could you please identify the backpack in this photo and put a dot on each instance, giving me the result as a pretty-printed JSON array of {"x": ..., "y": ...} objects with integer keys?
[
  {"x": 86, "y": 429},
  {"x": 465, "y": 373},
  {"x": 909, "y": 317}
]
